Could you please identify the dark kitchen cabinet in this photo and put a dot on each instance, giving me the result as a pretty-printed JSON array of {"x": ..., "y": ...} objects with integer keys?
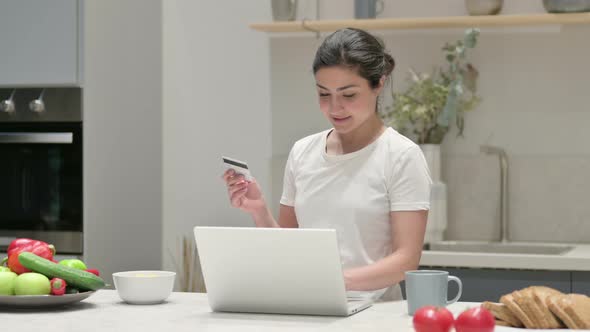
[
  {"x": 581, "y": 282},
  {"x": 489, "y": 284},
  {"x": 40, "y": 42}
]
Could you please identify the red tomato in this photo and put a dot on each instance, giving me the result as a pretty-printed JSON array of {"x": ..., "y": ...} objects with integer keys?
[
  {"x": 432, "y": 319},
  {"x": 476, "y": 319}
]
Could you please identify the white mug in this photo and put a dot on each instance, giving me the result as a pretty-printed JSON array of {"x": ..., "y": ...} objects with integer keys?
[{"x": 429, "y": 287}]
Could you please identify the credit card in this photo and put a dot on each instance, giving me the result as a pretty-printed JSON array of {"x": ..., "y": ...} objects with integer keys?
[{"x": 238, "y": 166}]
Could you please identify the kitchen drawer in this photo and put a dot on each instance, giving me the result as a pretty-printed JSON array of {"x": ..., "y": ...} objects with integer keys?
[{"x": 581, "y": 282}]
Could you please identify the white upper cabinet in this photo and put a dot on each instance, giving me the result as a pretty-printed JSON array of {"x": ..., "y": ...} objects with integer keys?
[{"x": 39, "y": 43}]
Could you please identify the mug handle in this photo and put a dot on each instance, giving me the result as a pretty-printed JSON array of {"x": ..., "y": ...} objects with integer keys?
[{"x": 460, "y": 284}]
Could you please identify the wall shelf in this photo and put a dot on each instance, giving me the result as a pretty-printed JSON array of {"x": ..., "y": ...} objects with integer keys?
[{"x": 426, "y": 22}]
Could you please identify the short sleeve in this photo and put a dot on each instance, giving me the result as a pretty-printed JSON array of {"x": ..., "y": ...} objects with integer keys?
[
  {"x": 409, "y": 182},
  {"x": 288, "y": 196}
]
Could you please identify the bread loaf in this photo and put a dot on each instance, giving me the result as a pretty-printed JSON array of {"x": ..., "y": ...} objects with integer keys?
[
  {"x": 556, "y": 306},
  {"x": 516, "y": 308},
  {"x": 547, "y": 319},
  {"x": 502, "y": 313},
  {"x": 572, "y": 309},
  {"x": 540, "y": 307}
]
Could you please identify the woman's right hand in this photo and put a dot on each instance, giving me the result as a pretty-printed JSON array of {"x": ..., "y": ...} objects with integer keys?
[{"x": 243, "y": 194}]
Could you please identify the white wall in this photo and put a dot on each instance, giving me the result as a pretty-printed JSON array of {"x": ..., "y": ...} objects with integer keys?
[
  {"x": 534, "y": 87},
  {"x": 216, "y": 102},
  {"x": 122, "y": 135},
  {"x": 169, "y": 87}
]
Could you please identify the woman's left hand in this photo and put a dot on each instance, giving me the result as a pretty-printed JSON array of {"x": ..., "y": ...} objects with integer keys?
[{"x": 348, "y": 279}]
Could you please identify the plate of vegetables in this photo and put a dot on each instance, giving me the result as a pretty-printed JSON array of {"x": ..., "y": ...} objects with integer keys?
[
  {"x": 36, "y": 301},
  {"x": 32, "y": 278}
]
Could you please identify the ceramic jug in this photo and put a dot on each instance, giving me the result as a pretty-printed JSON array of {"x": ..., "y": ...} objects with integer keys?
[{"x": 284, "y": 10}]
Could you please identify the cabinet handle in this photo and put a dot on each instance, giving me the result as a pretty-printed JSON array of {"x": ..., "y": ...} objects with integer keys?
[{"x": 36, "y": 138}]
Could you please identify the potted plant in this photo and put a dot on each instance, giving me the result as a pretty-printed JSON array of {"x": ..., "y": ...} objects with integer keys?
[{"x": 425, "y": 111}]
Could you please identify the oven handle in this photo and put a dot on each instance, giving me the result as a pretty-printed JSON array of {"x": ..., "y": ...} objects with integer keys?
[{"x": 36, "y": 138}]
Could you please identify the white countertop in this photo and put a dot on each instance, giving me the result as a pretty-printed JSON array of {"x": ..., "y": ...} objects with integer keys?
[
  {"x": 104, "y": 311},
  {"x": 577, "y": 259}
]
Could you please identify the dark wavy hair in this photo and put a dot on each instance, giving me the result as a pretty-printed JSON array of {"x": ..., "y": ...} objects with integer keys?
[{"x": 358, "y": 50}]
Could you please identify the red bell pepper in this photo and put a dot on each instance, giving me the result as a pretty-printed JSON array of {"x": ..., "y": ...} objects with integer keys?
[
  {"x": 17, "y": 246},
  {"x": 58, "y": 286},
  {"x": 94, "y": 271},
  {"x": 17, "y": 243}
]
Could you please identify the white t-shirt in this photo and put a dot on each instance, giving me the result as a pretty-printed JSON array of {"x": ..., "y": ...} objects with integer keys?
[{"x": 353, "y": 193}]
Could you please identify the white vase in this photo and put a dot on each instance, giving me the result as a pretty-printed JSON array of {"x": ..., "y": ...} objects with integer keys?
[
  {"x": 432, "y": 154},
  {"x": 437, "y": 216}
]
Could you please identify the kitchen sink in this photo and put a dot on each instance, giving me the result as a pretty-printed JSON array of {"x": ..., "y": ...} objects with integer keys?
[{"x": 499, "y": 248}]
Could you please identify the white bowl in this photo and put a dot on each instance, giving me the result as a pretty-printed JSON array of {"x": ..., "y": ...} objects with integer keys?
[{"x": 144, "y": 287}]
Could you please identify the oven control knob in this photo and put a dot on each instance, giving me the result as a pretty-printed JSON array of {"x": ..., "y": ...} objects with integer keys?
[
  {"x": 7, "y": 106},
  {"x": 37, "y": 105}
]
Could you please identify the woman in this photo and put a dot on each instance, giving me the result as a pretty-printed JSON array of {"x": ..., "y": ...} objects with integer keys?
[{"x": 366, "y": 181}]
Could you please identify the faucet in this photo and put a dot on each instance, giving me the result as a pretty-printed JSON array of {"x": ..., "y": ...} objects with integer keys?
[{"x": 488, "y": 149}]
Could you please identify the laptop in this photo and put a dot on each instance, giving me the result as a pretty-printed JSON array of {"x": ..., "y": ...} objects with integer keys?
[{"x": 274, "y": 270}]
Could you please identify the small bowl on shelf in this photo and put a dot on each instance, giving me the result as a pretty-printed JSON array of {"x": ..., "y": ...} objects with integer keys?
[
  {"x": 144, "y": 287},
  {"x": 483, "y": 7},
  {"x": 566, "y": 6}
]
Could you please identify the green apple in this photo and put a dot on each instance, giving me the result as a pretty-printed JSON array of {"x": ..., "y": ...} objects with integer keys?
[
  {"x": 32, "y": 283},
  {"x": 5, "y": 269},
  {"x": 7, "y": 282},
  {"x": 74, "y": 263}
]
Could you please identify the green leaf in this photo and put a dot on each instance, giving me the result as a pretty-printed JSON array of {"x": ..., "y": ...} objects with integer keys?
[
  {"x": 470, "y": 37},
  {"x": 448, "y": 111},
  {"x": 437, "y": 134},
  {"x": 470, "y": 78},
  {"x": 458, "y": 86},
  {"x": 460, "y": 51},
  {"x": 460, "y": 122}
]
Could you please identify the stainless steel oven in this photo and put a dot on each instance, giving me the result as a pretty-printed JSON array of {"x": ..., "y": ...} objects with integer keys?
[{"x": 41, "y": 168}]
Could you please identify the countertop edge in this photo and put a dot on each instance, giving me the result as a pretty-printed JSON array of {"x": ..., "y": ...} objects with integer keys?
[{"x": 576, "y": 260}]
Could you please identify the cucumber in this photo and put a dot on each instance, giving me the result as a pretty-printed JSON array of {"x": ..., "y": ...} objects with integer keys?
[
  {"x": 71, "y": 290},
  {"x": 73, "y": 277}
]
